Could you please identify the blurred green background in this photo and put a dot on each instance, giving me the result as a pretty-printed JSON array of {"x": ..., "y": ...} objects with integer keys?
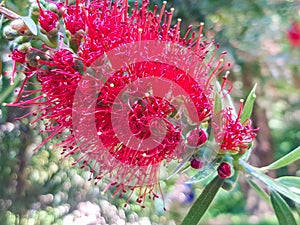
[{"x": 39, "y": 188}]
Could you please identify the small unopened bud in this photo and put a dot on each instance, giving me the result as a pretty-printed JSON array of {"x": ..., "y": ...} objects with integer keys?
[
  {"x": 196, "y": 164},
  {"x": 196, "y": 137},
  {"x": 228, "y": 185},
  {"x": 9, "y": 33},
  {"x": 52, "y": 7},
  {"x": 19, "y": 26},
  {"x": 21, "y": 39},
  {"x": 34, "y": 8},
  {"x": 224, "y": 170},
  {"x": 24, "y": 47}
]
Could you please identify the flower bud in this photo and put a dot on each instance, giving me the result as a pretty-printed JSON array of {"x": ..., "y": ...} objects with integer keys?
[
  {"x": 21, "y": 39},
  {"x": 224, "y": 170},
  {"x": 34, "y": 9},
  {"x": 228, "y": 185},
  {"x": 196, "y": 163},
  {"x": 24, "y": 47},
  {"x": 9, "y": 33},
  {"x": 196, "y": 138},
  {"x": 19, "y": 26},
  {"x": 52, "y": 7}
]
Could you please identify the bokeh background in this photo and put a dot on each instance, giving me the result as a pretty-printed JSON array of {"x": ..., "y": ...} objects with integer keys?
[{"x": 39, "y": 188}]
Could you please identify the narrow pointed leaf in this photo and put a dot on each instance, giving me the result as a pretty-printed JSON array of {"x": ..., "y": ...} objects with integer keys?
[
  {"x": 284, "y": 161},
  {"x": 203, "y": 202},
  {"x": 248, "y": 107},
  {"x": 30, "y": 24},
  {"x": 259, "y": 190},
  {"x": 290, "y": 181},
  {"x": 297, "y": 206},
  {"x": 282, "y": 210},
  {"x": 269, "y": 182}
]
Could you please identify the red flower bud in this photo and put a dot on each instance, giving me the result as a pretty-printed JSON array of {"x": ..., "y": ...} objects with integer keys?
[
  {"x": 224, "y": 170},
  {"x": 196, "y": 163},
  {"x": 196, "y": 138}
]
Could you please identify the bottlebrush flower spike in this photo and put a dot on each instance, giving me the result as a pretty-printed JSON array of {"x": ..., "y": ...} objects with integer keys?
[
  {"x": 150, "y": 98},
  {"x": 48, "y": 20},
  {"x": 74, "y": 17},
  {"x": 231, "y": 134}
]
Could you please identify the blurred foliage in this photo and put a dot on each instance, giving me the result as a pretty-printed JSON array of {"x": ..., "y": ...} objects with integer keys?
[{"x": 40, "y": 188}]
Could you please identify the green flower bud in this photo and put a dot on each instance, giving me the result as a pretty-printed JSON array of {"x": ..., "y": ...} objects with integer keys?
[
  {"x": 24, "y": 47},
  {"x": 228, "y": 185},
  {"x": 21, "y": 39},
  {"x": 9, "y": 33},
  {"x": 34, "y": 9},
  {"x": 52, "y": 7}
]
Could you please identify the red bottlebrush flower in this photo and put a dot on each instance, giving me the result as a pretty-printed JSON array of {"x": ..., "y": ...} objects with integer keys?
[
  {"x": 48, "y": 20},
  {"x": 128, "y": 94},
  {"x": 74, "y": 18},
  {"x": 224, "y": 170},
  {"x": 293, "y": 34},
  {"x": 232, "y": 134}
]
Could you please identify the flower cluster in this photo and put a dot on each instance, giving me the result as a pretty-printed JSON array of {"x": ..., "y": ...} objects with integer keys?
[
  {"x": 171, "y": 120},
  {"x": 232, "y": 134}
]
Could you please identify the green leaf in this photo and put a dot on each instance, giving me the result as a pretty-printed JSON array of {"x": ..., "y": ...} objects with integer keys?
[
  {"x": 284, "y": 161},
  {"x": 269, "y": 182},
  {"x": 262, "y": 194},
  {"x": 282, "y": 210},
  {"x": 290, "y": 181},
  {"x": 218, "y": 103},
  {"x": 1, "y": 21},
  {"x": 30, "y": 24},
  {"x": 297, "y": 207},
  {"x": 248, "y": 107},
  {"x": 203, "y": 202}
]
